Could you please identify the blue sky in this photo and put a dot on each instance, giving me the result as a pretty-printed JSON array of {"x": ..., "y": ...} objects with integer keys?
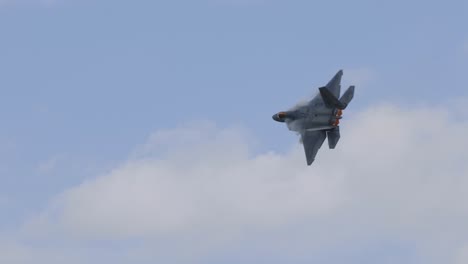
[{"x": 85, "y": 83}]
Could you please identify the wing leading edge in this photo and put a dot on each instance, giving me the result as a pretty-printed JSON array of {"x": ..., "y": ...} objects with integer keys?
[{"x": 312, "y": 141}]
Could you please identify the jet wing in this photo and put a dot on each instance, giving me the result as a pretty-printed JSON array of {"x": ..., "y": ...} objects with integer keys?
[{"x": 312, "y": 141}]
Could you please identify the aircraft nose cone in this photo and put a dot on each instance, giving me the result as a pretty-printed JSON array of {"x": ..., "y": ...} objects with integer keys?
[
  {"x": 275, "y": 117},
  {"x": 278, "y": 118}
]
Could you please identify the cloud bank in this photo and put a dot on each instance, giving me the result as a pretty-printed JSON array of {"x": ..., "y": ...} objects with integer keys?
[{"x": 397, "y": 175}]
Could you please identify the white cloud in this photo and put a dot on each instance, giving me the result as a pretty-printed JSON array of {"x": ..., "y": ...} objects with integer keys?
[
  {"x": 207, "y": 173},
  {"x": 17, "y": 253},
  {"x": 396, "y": 174},
  {"x": 462, "y": 257}
]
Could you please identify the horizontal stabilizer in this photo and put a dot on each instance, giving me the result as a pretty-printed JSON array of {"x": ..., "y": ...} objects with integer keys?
[
  {"x": 312, "y": 141},
  {"x": 329, "y": 99},
  {"x": 347, "y": 96},
  {"x": 333, "y": 137}
]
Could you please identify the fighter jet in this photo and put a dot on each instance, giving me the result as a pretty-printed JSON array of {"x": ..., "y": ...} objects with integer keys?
[{"x": 319, "y": 118}]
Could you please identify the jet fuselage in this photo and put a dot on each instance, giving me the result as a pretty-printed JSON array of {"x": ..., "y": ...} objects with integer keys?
[{"x": 315, "y": 115}]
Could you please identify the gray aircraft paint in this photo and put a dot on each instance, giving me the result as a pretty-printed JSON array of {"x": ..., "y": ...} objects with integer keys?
[{"x": 318, "y": 118}]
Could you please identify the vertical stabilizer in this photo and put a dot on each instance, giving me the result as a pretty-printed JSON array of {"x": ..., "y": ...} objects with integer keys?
[
  {"x": 347, "y": 96},
  {"x": 334, "y": 84}
]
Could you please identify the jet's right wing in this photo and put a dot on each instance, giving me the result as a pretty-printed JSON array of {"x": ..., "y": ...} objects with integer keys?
[{"x": 312, "y": 141}]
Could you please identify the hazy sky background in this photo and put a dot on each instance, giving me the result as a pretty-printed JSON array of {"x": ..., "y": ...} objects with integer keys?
[{"x": 141, "y": 132}]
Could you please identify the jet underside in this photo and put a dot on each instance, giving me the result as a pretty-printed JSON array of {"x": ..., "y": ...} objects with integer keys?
[{"x": 314, "y": 116}]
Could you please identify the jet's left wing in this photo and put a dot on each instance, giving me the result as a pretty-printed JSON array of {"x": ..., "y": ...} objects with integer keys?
[{"x": 312, "y": 141}]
